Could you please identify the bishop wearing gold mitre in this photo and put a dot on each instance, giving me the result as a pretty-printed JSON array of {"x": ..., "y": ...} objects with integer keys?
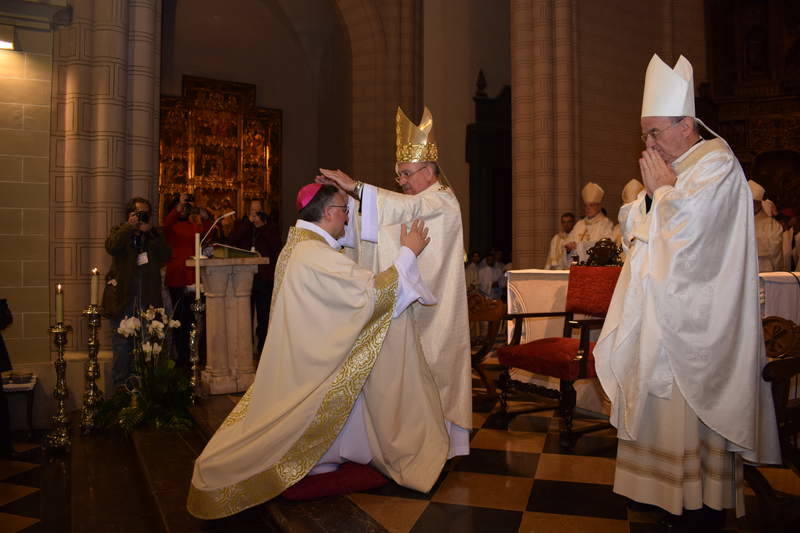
[{"x": 441, "y": 330}]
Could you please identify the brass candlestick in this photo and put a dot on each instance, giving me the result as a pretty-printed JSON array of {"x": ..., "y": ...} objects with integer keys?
[
  {"x": 92, "y": 395},
  {"x": 195, "y": 336},
  {"x": 58, "y": 438}
]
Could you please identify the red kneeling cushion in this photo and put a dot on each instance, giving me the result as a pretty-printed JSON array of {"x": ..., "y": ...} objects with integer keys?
[
  {"x": 350, "y": 477},
  {"x": 553, "y": 356}
]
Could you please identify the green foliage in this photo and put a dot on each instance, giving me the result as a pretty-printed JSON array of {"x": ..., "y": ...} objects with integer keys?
[
  {"x": 158, "y": 394},
  {"x": 161, "y": 399}
]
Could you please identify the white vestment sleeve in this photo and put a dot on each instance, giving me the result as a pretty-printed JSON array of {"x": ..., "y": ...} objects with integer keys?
[
  {"x": 369, "y": 213},
  {"x": 410, "y": 287},
  {"x": 349, "y": 238}
]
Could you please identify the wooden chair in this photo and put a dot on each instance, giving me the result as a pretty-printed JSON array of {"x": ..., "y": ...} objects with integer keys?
[
  {"x": 780, "y": 513},
  {"x": 569, "y": 359},
  {"x": 484, "y": 310}
]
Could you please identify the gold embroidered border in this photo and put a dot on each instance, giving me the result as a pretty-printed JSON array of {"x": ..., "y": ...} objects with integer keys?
[
  {"x": 328, "y": 421},
  {"x": 239, "y": 410},
  {"x": 296, "y": 236},
  {"x": 706, "y": 148},
  {"x": 415, "y": 153}
]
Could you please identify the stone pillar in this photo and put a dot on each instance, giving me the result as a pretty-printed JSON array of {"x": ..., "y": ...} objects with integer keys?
[
  {"x": 227, "y": 284},
  {"x": 386, "y": 43},
  {"x": 104, "y": 137},
  {"x": 543, "y": 124}
]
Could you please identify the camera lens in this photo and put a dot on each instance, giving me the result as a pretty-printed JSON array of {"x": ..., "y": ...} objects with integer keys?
[{"x": 143, "y": 216}]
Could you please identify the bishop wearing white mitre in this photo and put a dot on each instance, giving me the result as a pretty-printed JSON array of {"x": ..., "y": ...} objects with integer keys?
[
  {"x": 629, "y": 193},
  {"x": 593, "y": 226},
  {"x": 769, "y": 233},
  {"x": 681, "y": 352}
]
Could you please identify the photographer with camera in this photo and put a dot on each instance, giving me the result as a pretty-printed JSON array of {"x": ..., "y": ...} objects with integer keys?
[
  {"x": 138, "y": 251},
  {"x": 256, "y": 232},
  {"x": 180, "y": 225}
]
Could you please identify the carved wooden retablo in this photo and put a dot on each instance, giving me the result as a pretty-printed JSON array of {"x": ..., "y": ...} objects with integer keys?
[{"x": 216, "y": 144}]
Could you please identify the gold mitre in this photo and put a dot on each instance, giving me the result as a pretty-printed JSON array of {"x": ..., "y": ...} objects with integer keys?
[{"x": 415, "y": 143}]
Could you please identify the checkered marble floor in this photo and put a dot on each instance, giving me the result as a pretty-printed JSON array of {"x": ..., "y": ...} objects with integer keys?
[
  {"x": 20, "y": 494},
  {"x": 517, "y": 479}
]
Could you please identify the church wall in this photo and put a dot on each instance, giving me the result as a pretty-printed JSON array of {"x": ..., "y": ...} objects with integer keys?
[
  {"x": 25, "y": 89},
  {"x": 460, "y": 39},
  {"x": 616, "y": 39},
  {"x": 292, "y": 53}
]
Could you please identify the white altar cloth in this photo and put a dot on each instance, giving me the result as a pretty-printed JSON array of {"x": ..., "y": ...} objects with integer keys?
[
  {"x": 539, "y": 291},
  {"x": 780, "y": 295}
]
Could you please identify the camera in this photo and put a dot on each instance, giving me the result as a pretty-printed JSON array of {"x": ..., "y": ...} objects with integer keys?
[{"x": 143, "y": 217}]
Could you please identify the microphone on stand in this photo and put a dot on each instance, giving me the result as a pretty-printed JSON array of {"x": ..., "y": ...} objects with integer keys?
[{"x": 228, "y": 214}]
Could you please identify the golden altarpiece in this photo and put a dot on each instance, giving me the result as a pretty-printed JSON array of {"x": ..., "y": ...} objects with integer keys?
[{"x": 216, "y": 144}]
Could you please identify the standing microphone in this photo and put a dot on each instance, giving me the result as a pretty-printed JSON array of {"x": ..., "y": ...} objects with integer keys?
[{"x": 228, "y": 214}]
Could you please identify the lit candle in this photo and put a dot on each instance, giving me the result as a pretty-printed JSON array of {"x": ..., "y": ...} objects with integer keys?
[
  {"x": 197, "y": 266},
  {"x": 95, "y": 286},
  {"x": 59, "y": 304}
]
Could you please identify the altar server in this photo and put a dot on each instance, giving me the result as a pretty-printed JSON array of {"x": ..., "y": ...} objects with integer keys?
[{"x": 557, "y": 258}]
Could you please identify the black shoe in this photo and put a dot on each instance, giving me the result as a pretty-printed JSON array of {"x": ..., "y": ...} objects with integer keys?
[{"x": 671, "y": 523}]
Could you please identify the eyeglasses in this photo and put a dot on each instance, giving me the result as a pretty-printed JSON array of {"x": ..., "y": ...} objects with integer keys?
[
  {"x": 345, "y": 207},
  {"x": 655, "y": 133},
  {"x": 405, "y": 174}
]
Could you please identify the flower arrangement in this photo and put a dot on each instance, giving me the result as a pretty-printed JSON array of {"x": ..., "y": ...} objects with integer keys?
[{"x": 157, "y": 394}]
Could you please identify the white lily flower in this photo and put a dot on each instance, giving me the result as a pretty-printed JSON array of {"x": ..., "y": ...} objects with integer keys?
[
  {"x": 150, "y": 314},
  {"x": 156, "y": 348},
  {"x": 174, "y": 323}
]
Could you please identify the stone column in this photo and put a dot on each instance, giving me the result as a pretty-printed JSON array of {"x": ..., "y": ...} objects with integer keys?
[
  {"x": 386, "y": 43},
  {"x": 543, "y": 124},
  {"x": 104, "y": 138}
]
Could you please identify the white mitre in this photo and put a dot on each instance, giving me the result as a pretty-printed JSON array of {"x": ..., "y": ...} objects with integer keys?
[
  {"x": 756, "y": 189},
  {"x": 668, "y": 92},
  {"x": 592, "y": 193},
  {"x": 631, "y": 191}
]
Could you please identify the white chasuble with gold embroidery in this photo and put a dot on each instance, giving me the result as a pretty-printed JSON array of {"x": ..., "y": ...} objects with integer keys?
[
  {"x": 328, "y": 322},
  {"x": 443, "y": 328}
]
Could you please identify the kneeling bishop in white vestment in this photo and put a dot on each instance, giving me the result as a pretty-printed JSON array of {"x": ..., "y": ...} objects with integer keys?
[
  {"x": 308, "y": 409},
  {"x": 681, "y": 352}
]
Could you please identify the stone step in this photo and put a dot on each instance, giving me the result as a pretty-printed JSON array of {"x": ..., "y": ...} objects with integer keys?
[{"x": 167, "y": 460}]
